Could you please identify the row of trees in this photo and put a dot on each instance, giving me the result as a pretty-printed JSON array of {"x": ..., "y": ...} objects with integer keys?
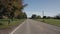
[
  {"x": 55, "y": 17},
  {"x": 34, "y": 16}
]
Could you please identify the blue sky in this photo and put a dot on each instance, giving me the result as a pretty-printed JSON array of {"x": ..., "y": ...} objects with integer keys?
[{"x": 50, "y": 7}]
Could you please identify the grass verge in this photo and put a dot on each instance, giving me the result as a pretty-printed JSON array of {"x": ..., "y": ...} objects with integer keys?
[
  {"x": 4, "y": 23},
  {"x": 55, "y": 22}
]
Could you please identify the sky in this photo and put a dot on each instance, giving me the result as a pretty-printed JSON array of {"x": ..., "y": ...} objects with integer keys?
[{"x": 50, "y": 7}]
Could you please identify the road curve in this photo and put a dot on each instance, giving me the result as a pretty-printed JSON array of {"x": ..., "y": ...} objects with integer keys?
[{"x": 30, "y": 26}]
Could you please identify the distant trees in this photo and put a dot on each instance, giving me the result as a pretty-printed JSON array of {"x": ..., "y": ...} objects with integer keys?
[
  {"x": 48, "y": 17},
  {"x": 57, "y": 16},
  {"x": 38, "y": 17},
  {"x": 44, "y": 17},
  {"x": 35, "y": 16}
]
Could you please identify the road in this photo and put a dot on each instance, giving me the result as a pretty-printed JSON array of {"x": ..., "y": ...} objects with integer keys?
[{"x": 30, "y": 26}]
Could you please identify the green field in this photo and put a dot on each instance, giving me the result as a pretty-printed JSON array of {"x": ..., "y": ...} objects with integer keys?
[
  {"x": 5, "y": 24},
  {"x": 55, "y": 22}
]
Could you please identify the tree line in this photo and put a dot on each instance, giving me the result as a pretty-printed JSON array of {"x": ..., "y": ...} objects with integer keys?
[{"x": 34, "y": 16}]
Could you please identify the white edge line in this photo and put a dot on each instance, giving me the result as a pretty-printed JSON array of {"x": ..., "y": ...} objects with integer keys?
[{"x": 16, "y": 28}]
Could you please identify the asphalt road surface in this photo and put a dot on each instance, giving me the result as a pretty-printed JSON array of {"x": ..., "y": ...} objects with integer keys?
[{"x": 30, "y": 26}]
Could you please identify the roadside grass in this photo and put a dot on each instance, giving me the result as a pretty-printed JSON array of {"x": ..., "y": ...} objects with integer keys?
[
  {"x": 4, "y": 23},
  {"x": 15, "y": 22},
  {"x": 55, "y": 22}
]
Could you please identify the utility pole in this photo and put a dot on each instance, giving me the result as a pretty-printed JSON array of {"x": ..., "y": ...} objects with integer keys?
[{"x": 43, "y": 15}]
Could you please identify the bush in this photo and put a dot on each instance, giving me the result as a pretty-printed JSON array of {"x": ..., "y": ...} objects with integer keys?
[{"x": 1, "y": 24}]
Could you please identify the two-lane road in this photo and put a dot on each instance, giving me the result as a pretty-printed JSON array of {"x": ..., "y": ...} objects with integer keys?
[{"x": 34, "y": 27}]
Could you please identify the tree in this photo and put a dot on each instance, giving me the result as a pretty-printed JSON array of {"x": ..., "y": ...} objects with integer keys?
[
  {"x": 33, "y": 16},
  {"x": 11, "y": 7},
  {"x": 22, "y": 16},
  {"x": 57, "y": 16},
  {"x": 44, "y": 17},
  {"x": 1, "y": 10}
]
